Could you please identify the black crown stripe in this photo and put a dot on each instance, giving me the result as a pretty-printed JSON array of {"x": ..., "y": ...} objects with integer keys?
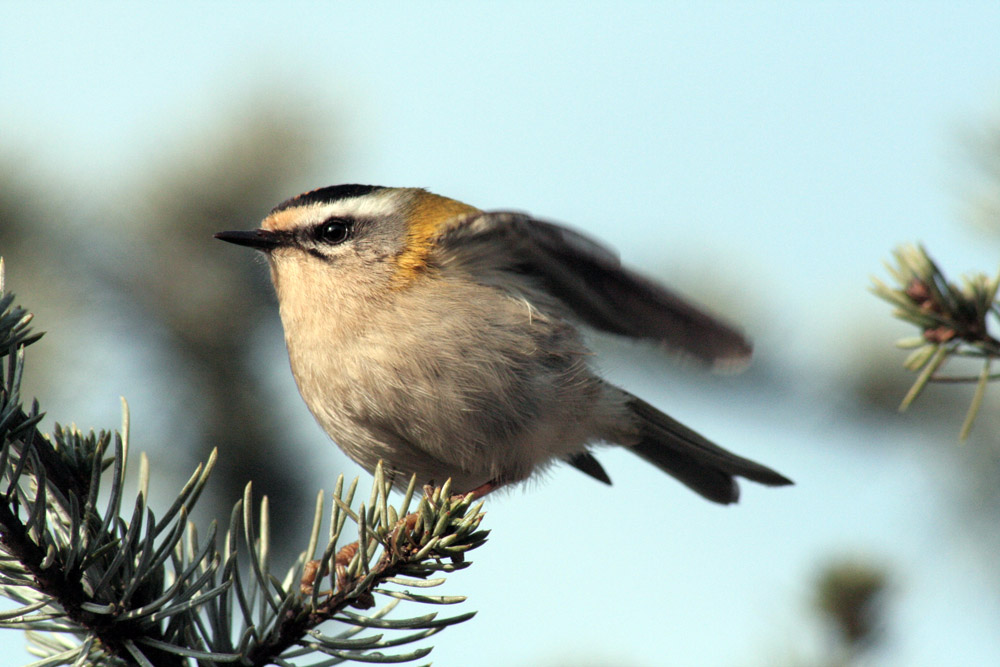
[{"x": 327, "y": 195}]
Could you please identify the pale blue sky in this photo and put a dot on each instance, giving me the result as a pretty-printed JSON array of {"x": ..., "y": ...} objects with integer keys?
[{"x": 782, "y": 148}]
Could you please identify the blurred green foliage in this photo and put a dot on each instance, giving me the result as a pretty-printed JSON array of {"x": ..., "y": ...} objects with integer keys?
[{"x": 149, "y": 257}]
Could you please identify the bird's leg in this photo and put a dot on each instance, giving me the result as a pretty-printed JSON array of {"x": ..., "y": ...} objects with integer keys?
[{"x": 483, "y": 489}]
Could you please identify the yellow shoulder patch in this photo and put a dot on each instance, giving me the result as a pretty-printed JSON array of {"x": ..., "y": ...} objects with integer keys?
[{"x": 429, "y": 214}]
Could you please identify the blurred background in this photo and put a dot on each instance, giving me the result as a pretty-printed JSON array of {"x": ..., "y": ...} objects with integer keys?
[{"x": 763, "y": 158}]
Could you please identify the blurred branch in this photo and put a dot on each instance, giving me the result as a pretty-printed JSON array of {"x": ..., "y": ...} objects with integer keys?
[
  {"x": 850, "y": 597},
  {"x": 202, "y": 307},
  {"x": 102, "y": 587},
  {"x": 953, "y": 322}
]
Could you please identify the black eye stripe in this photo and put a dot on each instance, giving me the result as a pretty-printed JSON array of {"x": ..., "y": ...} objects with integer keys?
[{"x": 318, "y": 255}]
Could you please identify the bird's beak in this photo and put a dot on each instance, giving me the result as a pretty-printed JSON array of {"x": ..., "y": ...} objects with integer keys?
[{"x": 260, "y": 239}]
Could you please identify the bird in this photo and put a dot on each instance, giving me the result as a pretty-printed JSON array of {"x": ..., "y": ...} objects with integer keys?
[{"x": 446, "y": 341}]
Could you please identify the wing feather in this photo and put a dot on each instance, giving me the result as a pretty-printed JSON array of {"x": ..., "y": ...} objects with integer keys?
[{"x": 590, "y": 281}]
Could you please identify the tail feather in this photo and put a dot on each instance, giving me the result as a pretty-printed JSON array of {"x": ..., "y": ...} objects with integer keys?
[
  {"x": 693, "y": 459},
  {"x": 586, "y": 463}
]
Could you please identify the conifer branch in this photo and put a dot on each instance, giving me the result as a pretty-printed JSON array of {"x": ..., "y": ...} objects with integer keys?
[
  {"x": 954, "y": 321},
  {"x": 104, "y": 583}
]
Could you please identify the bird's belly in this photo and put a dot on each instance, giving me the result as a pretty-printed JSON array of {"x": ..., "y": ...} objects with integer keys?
[{"x": 475, "y": 400}]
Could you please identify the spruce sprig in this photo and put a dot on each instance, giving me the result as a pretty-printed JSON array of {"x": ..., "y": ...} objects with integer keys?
[
  {"x": 102, "y": 580},
  {"x": 954, "y": 321}
]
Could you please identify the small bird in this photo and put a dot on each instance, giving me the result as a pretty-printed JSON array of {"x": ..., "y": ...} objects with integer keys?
[{"x": 443, "y": 340}]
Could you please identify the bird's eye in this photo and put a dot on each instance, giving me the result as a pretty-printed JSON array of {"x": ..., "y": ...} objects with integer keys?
[{"x": 334, "y": 231}]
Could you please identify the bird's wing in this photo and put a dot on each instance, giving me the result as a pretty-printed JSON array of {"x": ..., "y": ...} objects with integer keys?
[{"x": 590, "y": 281}]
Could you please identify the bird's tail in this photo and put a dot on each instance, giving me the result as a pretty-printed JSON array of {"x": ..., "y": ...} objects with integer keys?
[{"x": 693, "y": 459}]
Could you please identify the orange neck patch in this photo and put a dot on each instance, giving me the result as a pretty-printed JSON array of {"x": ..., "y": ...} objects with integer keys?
[{"x": 428, "y": 216}]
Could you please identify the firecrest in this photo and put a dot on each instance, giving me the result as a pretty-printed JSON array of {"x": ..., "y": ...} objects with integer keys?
[{"x": 443, "y": 340}]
